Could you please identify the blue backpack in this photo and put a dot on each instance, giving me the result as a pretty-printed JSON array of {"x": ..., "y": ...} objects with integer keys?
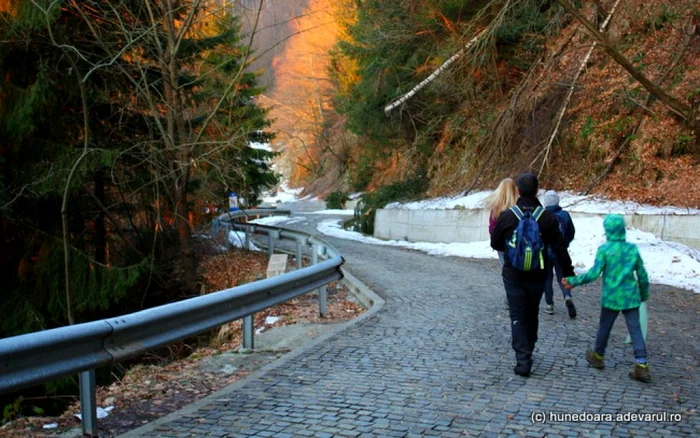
[
  {"x": 563, "y": 218},
  {"x": 525, "y": 248}
]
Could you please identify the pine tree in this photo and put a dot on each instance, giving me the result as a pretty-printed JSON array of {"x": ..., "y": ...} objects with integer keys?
[{"x": 112, "y": 117}]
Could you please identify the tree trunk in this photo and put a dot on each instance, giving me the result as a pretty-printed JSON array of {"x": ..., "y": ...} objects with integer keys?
[
  {"x": 184, "y": 232},
  {"x": 100, "y": 228},
  {"x": 435, "y": 74},
  {"x": 178, "y": 130},
  {"x": 675, "y": 105},
  {"x": 552, "y": 137}
]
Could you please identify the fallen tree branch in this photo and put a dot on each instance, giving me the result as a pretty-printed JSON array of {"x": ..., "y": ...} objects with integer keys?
[
  {"x": 434, "y": 74},
  {"x": 565, "y": 105},
  {"x": 640, "y": 121},
  {"x": 676, "y": 106}
]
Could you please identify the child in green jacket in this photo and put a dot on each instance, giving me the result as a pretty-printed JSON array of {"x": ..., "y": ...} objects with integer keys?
[{"x": 624, "y": 292}]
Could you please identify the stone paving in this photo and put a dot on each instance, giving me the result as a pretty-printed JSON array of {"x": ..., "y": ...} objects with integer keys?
[{"x": 436, "y": 361}]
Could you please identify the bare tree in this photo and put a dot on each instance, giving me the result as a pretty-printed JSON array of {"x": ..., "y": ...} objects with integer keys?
[
  {"x": 546, "y": 151},
  {"x": 154, "y": 46},
  {"x": 678, "y": 107}
]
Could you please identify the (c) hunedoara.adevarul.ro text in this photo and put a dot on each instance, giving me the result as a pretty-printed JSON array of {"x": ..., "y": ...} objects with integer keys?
[{"x": 596, "y": 417}]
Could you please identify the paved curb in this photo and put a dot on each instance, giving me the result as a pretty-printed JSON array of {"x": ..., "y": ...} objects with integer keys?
[{"x": 364, "y": 294}]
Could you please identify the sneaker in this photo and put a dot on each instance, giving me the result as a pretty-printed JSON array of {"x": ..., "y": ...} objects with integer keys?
[
  {"x": 641, "y": 373},
  {"x": 549, "y": 309},
  {"x": 595, "y": 360},
  {"x": 571, "y": 308}
]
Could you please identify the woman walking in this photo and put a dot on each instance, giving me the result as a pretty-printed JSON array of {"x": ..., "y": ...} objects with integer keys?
[{"x": 504, "y": 197}]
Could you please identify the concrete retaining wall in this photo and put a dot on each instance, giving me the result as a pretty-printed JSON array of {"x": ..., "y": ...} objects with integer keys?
[
  {"x": 471, "y": 225},
  {"x": 683, "y": 229},
  {"x": 443, "y": 226}
]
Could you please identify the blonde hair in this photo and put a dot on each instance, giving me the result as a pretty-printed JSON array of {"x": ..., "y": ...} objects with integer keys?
[{"x": 505, "y": 195}]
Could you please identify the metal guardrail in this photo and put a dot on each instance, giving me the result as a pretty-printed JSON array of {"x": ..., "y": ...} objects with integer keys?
[
  {"x": 39, "y": 357},
  {"x": 252, "y": 213}
]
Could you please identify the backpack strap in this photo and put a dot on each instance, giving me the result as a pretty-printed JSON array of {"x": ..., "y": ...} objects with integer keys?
[
  {"x": 517, "y": 212},
  {"x": 537, "y": 213}
]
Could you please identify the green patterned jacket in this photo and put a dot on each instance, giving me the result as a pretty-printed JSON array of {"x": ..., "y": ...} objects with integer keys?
[{"x": 618, "y": 261}]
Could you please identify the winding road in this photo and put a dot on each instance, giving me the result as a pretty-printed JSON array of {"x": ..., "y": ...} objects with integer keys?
[{"x": 435, "y": 360}]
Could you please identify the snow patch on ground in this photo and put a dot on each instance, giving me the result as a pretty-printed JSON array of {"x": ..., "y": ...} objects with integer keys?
[
  {"x": 667, "y": 263},
  {"x": 569, "y": 201}
]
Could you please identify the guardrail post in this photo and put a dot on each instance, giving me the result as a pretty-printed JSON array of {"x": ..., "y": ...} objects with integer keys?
[
  {"x": 270, "y": 244},
  {"x": 88, "y": 404},
  {"x": 323, "y": 301},
  {"x": 247, "y": 237},
  {"x": 248, "y": 328},
  {"x": 322, "y": 291},
  {"x": 298, "y": 254}
]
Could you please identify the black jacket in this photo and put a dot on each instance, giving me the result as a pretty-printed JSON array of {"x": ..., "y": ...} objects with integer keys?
[{"x": 551, "y": 236}]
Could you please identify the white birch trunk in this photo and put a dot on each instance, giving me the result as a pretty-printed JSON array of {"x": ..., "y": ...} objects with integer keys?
[
  {"x": 435, "y": 74},
  {"x": 548, "y": 148}
]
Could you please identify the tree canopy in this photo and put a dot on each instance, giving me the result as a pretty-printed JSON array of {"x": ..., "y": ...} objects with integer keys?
[{"x": 120, "y": 124}]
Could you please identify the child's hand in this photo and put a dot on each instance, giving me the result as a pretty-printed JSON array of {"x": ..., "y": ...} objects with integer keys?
[{"x": 566, "y": 284}]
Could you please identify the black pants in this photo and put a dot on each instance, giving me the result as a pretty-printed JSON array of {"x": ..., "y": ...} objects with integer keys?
[{"x": 524, "y": 302}]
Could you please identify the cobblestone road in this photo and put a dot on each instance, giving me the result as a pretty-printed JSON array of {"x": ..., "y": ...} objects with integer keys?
[{"x": 435, "y": 360}]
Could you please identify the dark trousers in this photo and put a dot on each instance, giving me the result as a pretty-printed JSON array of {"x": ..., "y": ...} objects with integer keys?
[
  {"x": 607, "y": 319},
  {"x": 524, "y": 302},
  {"x": 548, "y": 287}
]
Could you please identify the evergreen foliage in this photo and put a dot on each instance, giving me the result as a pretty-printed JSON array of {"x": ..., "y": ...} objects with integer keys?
[
  {"x": 336, "y": 200},
  {"x": 393, "y": 45},
  {"x": 240, "y": 121},
  {"x": 410, "y": 189},
  {"x": 390, "y": 46},
  {"x": 121, "y": 128},
  {"x": 113, "y": 158}
]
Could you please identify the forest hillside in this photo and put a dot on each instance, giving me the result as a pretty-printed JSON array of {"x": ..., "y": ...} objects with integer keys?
[
  {"x": 126, "y": 127},
  {"x": 595, "y": 96}
]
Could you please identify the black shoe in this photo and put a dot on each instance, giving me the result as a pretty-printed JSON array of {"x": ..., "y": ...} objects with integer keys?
[
  {"x": 571, "y": 308},
  {"x": 521, "y": 371}
]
